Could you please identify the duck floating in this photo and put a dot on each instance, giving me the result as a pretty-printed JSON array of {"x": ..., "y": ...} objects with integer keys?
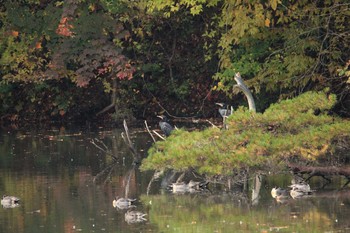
[
  {"x": 9, "y": 201},
  {"x": 123, "y": 203}
]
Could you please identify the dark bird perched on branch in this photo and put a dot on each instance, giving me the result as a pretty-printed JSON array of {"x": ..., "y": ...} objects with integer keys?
[
  {"x": 224, "y": 110},
  {"x": 165, "y": 126}
]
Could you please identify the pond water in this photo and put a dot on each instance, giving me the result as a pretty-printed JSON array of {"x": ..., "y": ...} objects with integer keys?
[{"x": 68, "y": 184}]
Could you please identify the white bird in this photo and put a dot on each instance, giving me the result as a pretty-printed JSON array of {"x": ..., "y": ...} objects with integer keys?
[
  {"x": 134, "y": 216},
  {"x": 123, "y": 203},
  {"x": 300, "y": 190},
  {"x": 9, "y": 201}
]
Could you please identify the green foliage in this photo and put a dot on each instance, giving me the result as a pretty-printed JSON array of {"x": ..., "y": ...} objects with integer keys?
[
  {"x": 285, "y": 130},
  {"x": 281, "y": 47}
]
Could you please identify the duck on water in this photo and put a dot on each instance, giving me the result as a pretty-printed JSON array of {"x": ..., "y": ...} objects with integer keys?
[
  {"x": 9, "y": 201},
  {"x": 123, "y": 203}
]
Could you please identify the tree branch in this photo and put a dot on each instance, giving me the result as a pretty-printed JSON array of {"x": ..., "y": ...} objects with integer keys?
[{"x": 241, "y": 85}]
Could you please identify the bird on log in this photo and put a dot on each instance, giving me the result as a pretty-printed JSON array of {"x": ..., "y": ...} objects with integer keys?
[{"x": 165, "y": 126}]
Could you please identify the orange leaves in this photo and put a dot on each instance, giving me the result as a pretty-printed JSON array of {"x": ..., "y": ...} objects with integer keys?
[
  {"x": 64, "y": 27},
  {"x": 14, "y": 33},
  {"x": 126, "y": 72},
  {"x": 38, "y": 45}
]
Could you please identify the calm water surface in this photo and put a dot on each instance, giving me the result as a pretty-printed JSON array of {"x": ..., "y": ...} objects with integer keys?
[{"x": 67, "y": 184}]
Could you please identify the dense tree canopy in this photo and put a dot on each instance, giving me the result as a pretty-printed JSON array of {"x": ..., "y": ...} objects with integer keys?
[{"x": 64, "y": 59}]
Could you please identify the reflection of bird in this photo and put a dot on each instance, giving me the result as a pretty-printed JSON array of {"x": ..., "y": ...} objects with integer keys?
[
  {"x": 295, "y": 193},
  {"x": 9, "y": 201},
  {"x": 302, "y": 187},
  {"x": 165, "y": 126},
  {"x": 123, "y": 203},
  {"x": 134, "y": 216},
  {"x": 224, "y": 110},
  {"x": 279, "y": 193},
  {"x": 191, "y": 187}
]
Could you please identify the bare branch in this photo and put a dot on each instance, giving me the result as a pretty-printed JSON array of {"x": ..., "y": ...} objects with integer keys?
[
  {"x": 105, "y": 149},
  {"x": 128, "y": 142}
]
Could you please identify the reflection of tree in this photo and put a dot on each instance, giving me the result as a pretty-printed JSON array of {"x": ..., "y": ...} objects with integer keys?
[
  {"x": 129, "y": 176},
  {"x": 256, "y": 189},
  {"x": 232, "y": 213}
]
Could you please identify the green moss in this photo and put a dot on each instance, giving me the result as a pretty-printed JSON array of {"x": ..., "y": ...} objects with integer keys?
[{"x": 287, "y": 129}]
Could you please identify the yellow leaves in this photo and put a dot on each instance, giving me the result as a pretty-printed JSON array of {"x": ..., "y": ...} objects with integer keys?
[
  {"x": 312, "y": 153},
  {"x": 195, "y": 10},
  {"x": 267, "y": 22},
  {"x": 174, "y": 8},
  {"x": 220, "y": 84},
  {"x": 274, "y": 4}
]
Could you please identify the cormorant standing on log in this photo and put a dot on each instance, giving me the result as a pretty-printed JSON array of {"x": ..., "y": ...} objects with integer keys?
[{"x": 165, "y": 126}]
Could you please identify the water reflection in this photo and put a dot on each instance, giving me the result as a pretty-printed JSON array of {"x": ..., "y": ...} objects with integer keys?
[{"x": 66, "y": 184}]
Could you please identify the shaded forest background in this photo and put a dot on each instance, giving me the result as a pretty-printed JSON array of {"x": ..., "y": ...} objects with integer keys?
[{"x": 82, "y": 60}]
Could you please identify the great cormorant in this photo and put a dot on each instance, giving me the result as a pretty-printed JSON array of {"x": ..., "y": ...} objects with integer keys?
[{"x": 165, "y": 126}]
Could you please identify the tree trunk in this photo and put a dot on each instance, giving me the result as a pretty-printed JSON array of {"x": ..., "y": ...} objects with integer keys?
[{"x": 113, "y": 100}]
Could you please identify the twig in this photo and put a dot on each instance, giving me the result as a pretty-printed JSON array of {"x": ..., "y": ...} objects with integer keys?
[
  {"x": 128, "y": 179},
  {"x": 212, "y": 124},
  {"x": 156, "y": 133},
  {"x": 106, "y": 150},
  {"x": 127, "y": 132},
  {"x": 98, "y": 147},
  {"x": 108, "y": 169},
  {"x": 154, "y": 140},
  {"x": 131, "y": 147}
]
